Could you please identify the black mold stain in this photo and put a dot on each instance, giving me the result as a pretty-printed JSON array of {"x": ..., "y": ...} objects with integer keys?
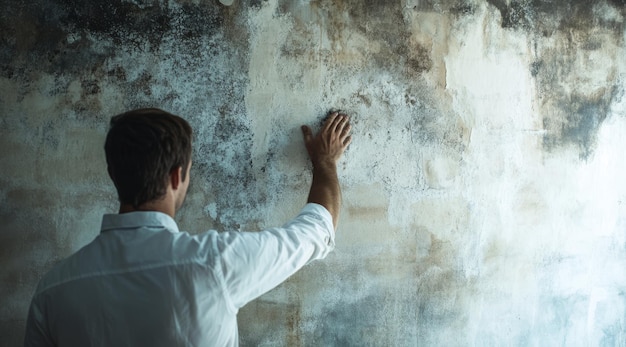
[
  {"x": 380, "y": 21},
  {"x": 383, "y": 22},
  {"x": 458, "y": 7},
  {"x": 463, "y": 9},
  {"x": 535, "y": 67},
  {"x": 514, "y": 14},
  {"x": 74, "y": 41},
  {"x": 68, "y": 42},
  {"x": 570, "y": 117},
  {"x": 256, "y": 3},
  {"x": 584, "y": 115},
  {"x": 59, "y": 35},
  {"x": 548, "y": 17},
  {"x": 117, "y": 19},
  {"x": 226, "y": 166}
]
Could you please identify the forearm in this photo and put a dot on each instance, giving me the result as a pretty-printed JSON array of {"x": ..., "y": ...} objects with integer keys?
[
  {"x": 325, "y": 189},
  {"x": 325, "y": 149}
]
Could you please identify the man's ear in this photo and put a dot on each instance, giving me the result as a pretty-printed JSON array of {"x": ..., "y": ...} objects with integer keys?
[{"x": 176, "y": 177}]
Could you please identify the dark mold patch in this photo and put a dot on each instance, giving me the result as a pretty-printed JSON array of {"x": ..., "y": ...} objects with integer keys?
[
  {"x": 573, "y": 110},
  {"x": 546, "y": 17},
  {"x": 119, "y": 20},
  {"x": 225, "y": 165},
  {"x": 69, "y": 42},
  {"x": 381, "y": 22},
  {"x": 463, "y": 9},
  {"x": 64, "y": 36},
  {"x": 583, "y": 117},
  {"x": 419, "y": 60},
  {"x": 535, "y": 67},
  {"x": 514, "y": 14},
  {"x": 75, "y": 50},
  {"x": 256, "y": 3},
  {"x": 459, "y": 7}
]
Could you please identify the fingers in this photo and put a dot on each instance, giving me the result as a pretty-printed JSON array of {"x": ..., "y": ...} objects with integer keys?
[
  {"x": 345, "y": 127},
  {"x": 339, "y": 126},
  {"x": 307, "y": 134},
  {"x": 336, "y": 123},
  {"x": 347, "y": 141},
  {"x": 330, "y": 123}
]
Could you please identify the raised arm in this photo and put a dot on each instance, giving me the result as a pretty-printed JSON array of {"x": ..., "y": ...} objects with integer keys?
[
  {"x": 324, "y": 150},
  {"x": 253, "y": 263}
]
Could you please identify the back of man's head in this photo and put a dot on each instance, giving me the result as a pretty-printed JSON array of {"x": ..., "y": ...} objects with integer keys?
[{"x": 142, "y": 148}]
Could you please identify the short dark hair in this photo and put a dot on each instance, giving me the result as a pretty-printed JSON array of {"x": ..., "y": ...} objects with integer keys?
[{"x": 142, "y": 147}]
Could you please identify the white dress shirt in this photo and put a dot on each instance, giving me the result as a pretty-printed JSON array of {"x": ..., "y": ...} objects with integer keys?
[{"x": 141, "y": 282}]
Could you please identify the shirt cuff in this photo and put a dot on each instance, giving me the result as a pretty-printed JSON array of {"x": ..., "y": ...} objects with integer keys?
[{"x": 322, "y": 214}]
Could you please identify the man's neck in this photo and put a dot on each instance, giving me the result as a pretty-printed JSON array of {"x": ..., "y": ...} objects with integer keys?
[{"x": 154, "y": 206}]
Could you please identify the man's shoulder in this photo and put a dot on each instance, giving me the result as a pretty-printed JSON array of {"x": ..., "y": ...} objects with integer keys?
[
  {"x": 66, "y": 268},
  {"x": 111, "y": 253},
  {"x": 58, "y": 274}
]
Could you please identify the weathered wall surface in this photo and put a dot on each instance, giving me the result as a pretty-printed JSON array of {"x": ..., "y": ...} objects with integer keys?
[{"x": 485, "y": 190}]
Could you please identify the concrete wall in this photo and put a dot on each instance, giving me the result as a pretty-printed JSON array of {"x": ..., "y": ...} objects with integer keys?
[{"x": 485, "y": 190}]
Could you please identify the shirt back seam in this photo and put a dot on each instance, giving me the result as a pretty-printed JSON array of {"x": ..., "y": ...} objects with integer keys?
[{"x": 118, "y": 272}]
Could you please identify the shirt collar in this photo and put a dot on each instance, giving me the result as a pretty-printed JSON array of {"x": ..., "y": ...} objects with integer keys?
[{"x": 133, "y": 220}]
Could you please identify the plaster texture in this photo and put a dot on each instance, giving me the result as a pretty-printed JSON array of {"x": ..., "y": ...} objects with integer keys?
[{"x": 484, "y": 191}]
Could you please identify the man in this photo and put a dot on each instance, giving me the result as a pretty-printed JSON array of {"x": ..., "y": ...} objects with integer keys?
[{"x": 141, "y": 282}]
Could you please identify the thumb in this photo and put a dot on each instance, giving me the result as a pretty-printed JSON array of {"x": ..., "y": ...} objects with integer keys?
[{"x": 306, "y": 132}]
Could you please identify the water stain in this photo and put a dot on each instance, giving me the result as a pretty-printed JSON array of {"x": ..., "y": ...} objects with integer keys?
[
  {"x": 294, "y": 336},
  {"x": 365, "y": 321},
  {"x": 274, "y": 315}
]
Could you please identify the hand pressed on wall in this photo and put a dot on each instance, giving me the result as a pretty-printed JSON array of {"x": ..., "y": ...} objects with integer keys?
[
  {"x": 331, "y": 141},
  {"x": 325, "y": 149}
]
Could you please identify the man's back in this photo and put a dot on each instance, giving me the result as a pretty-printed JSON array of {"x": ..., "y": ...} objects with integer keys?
[
  {"x": 142, "y": 282},
  {"x": 172, "y": 278}
]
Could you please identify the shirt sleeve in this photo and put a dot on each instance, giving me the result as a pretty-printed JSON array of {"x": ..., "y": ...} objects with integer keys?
[
  {"x": 253, "y": 263},
  {"x": 36, "y": 334}
]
